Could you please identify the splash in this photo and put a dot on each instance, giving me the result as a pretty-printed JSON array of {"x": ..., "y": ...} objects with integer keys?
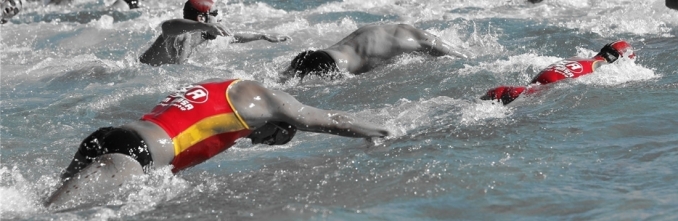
[
  {"x": 105, "y": 22},
  {"x": 144, "y": 193},
  {"x": 622, "y": 71},
  {"x": 140, "y": 194},
  {"x": 439, "y": 112},
  {"x": 479, "y": 113},
  {"x": 18, "y": 194},
  {"x": 518, "y": 63},
  {"x": 622, "y": 17}
]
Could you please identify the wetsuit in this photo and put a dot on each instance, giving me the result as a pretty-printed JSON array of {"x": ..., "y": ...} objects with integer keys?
[
  {"x": 314, "y": 62},
  {"x": 201, "y": 122},
  {"x": 569, "y": 68}
]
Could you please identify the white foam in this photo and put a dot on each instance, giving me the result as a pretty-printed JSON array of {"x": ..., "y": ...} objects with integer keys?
[
  {"x": 18, "y": 194},
  {"x": 478, "y": 113},
  {"x": 104, "y": 22},
  {"x": 516, "y": 63},
  {"x": 620, "y": 72},
  {"x": 437, "y": 112}
]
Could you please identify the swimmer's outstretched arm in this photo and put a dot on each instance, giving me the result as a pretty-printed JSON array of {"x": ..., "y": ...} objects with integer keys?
[
  {"x": 244, "y": 37},
  {"x": 257, "y": 104},
  {"x": 312, "y": 119},
  {"x": 439, "y": 47},
  {"x": 180, "y": 26}
]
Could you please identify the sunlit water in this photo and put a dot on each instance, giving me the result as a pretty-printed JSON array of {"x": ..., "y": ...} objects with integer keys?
[{"x": 599, "y": 147}]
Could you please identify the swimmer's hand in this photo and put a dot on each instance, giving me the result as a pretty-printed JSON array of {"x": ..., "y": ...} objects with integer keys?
[
  {"x": 217, "y": 29},
  {"x": 275, "y": 38}
]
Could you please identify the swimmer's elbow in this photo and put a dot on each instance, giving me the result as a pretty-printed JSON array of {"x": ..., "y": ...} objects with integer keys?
[
  {"x": 171, "y": 28},
  {"x": 166, "y": 25}
]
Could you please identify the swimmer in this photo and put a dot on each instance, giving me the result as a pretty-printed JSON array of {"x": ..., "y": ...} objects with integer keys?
[
  {"x": 366, "y": 48},
  {"x": 569, "y": 68},
  {"x": 192, "y": 125},
  {"x": 10, "y": 8},
  {"x": 200, "y": 23},
  {"x": 672, "y": 4}
]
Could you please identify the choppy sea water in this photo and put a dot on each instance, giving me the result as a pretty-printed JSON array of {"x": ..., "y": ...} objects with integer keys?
[{"x": 600, "y": 147}]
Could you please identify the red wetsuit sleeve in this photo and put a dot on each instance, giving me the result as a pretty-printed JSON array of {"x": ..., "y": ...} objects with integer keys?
[{"x": 504, "y": 94}]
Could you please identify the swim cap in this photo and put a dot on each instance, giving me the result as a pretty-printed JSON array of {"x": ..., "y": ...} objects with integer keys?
[
  {"x": 132, "y": 3},
  {"x": 202, "y": 5},
  {"x": 612, "y": 51},
  {"x": 193, "y": 8},
  {"x": 314, "y": 62}
]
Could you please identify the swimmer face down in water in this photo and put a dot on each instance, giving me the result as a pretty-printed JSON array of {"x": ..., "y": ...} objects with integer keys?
[
  {"x": 569, "y": 68},
  {"x": 366, "y": 48}
]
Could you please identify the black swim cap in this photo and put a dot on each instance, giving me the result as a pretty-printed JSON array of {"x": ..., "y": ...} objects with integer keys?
[
  {"x": 298, "y": 61},
  {"x": 314, "y": 62},
  {"x": 609, "y": 53},
  {"x": 132, "y": 3}
]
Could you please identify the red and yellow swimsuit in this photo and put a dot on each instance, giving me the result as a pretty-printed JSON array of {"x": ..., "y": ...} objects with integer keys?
[{"x": 201, "y": 121}]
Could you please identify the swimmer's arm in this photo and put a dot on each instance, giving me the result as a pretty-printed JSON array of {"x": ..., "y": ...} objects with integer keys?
[
  {"x": 258, "y": 105},
  {"x": 244, "y": 37},
  {"x": 307, "y": 118},
  {"x": 438, "y": 47},
  {"x": 183, "y": 49},
  {"x": 506, "y": 94},
  {"x": 175, "y": 27}
]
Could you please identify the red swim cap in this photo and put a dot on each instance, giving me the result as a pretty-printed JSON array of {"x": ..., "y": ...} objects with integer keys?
[
  {"x": 612, "y": 51},
  {"x": 202, "y": 5},
  {"x": 624, "y": 49}
]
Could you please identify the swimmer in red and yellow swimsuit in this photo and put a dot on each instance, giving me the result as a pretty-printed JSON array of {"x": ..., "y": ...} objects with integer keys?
[
  {"x": 201, "y": 124},
  {"x": 568, "y": 68},
  {"x": 193, "y": 125}
]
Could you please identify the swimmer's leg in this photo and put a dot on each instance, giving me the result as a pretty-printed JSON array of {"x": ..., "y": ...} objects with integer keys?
[{"x": 98, "y": 180}]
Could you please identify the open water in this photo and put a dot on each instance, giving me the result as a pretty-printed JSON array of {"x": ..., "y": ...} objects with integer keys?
[{"x": 600, "y": 147}]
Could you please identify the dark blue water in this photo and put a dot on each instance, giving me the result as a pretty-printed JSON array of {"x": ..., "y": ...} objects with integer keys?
[{"x": 600, "y": 147}]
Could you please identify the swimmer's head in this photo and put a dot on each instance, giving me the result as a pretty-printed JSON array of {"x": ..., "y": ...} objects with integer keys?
[
  {"x": 314, "y": 62},
  {"x": 201, "y": 10},
  {"x": 132, "y": 3},
  {"x": 10, "y": 8},
  {"x": 612, "y": 51},
  {"x": 273, "y": 133}
]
